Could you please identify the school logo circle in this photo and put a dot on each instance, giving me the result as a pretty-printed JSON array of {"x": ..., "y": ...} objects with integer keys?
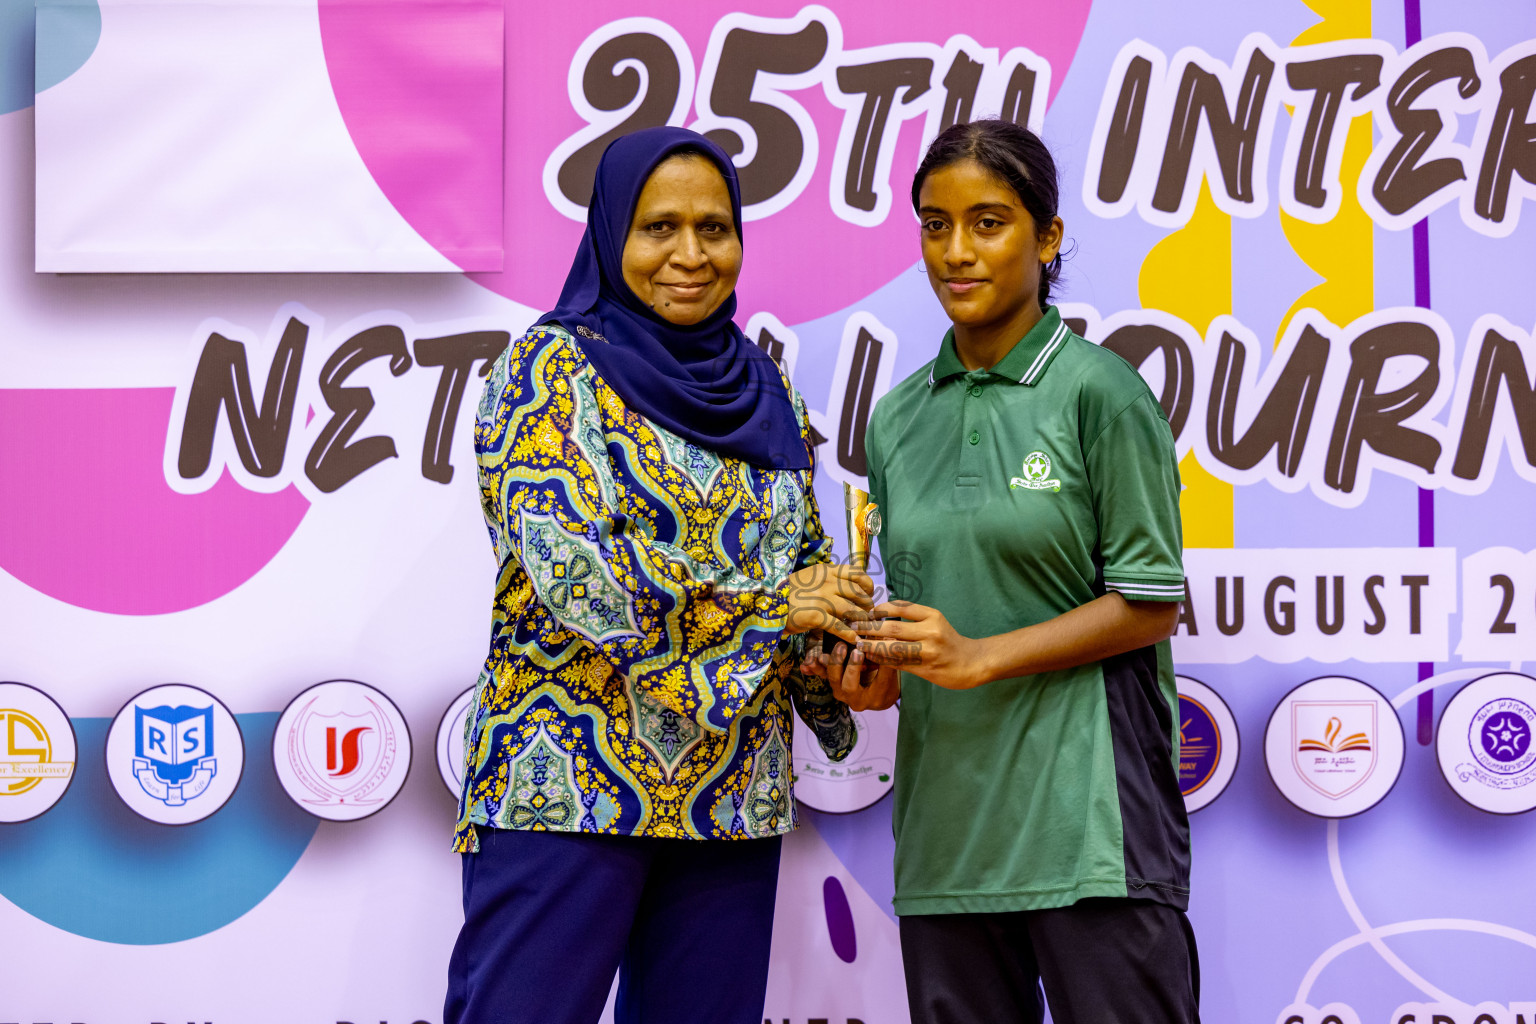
[
  {"x": 1037, "y": 474},
  {"x": 1501, "y": 730},
  {"x": 37, "y": 752},
  {"x": 450, "y": 741},
  {"x": 1485, "y": 745},
  {"x": 1208, "y": 743},
  {"x": 342, "y": 750},
  {"x": 175, "y": 754},
  {"x": 857, "y": 781},
  {"x": 1334, "y": 746}
]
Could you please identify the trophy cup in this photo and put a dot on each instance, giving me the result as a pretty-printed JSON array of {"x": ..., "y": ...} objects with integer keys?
[
  {"x": 863, "y": 525},
  {"x": 863, "y": 519}
]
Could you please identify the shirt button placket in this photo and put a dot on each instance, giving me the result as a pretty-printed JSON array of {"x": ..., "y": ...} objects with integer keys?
[{"x": 973, "y": 389}]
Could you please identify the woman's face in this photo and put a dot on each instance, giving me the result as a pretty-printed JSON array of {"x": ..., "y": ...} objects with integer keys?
[
  {"x": 683, "y": 255},
  {"x": 983, "y": 251}
]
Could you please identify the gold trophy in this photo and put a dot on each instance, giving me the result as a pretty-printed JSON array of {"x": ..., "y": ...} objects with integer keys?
[
  {"x": 863, "y": 518},
  {"x": 863, "y": 525}
]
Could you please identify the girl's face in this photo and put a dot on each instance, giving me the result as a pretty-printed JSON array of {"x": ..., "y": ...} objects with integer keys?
[
  {"x": 683, "y": 255},
  {"x": 983, "y": 251}
]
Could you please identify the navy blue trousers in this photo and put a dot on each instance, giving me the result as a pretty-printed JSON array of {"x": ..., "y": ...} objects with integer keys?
[{"x": 549, "y": 917}]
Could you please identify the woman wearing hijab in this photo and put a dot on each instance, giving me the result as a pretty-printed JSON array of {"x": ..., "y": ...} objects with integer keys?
[{"x": 645, "y": 473}]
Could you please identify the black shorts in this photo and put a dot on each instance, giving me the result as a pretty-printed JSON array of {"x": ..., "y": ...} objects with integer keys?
[{"x": 1101, "y": 961}]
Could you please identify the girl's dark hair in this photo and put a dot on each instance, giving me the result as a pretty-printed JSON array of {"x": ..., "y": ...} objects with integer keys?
[{"x": 1013, "y": 153}]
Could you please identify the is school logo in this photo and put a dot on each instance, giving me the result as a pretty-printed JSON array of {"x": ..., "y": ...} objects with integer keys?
[
  {"x": 37, "y": 752},
  {"x": 1485, "y": 744},
  {"x": 175, "y": 754},
  {"x": 342, "y": 750},
  {"x": 1037, "y": 474},
  {"x": 1334, "y": 746},
  {"x": 1208, "y": 743}
]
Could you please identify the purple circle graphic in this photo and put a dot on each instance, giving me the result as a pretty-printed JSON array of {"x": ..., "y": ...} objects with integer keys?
[
  {"x": 1505, "y": 734},
  {"x": 1199, "y": 745}
]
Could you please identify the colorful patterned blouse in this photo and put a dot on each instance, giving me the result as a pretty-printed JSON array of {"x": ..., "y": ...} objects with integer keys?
[{"x": 639, "y": 679}]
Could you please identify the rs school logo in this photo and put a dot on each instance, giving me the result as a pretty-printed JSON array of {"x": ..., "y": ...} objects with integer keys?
[
  {"x": 1037, "y": 474},
  {"x": 175, "y": 754},
  {"x": 173, "y": 750}
]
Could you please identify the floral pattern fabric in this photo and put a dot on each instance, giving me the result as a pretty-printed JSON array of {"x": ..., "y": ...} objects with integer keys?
[{"x": 639, "y": 679}]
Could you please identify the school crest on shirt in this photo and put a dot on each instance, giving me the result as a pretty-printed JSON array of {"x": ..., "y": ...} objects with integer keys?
[{"x": 1037, "y": 474}]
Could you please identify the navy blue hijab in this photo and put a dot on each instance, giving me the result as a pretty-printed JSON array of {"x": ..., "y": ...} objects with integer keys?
[{"x": 704, "y": 382}]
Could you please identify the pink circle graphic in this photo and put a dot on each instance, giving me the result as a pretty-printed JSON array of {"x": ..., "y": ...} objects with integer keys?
[
  {"x": 91, "y": 522},
  {"x": 820, "y": 262}
]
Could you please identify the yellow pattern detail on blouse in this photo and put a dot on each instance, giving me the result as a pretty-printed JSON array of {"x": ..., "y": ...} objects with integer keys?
[{"x": 639, "y": 679}]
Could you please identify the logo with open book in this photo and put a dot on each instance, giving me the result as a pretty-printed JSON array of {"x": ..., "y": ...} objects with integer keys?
[
  {"x": 1335, "y": 753},
  {"x": 1334, "y": 746},
  {"x": 174, "y": 754}
]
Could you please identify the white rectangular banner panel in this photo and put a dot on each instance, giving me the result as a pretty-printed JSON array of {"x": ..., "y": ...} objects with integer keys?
[{"x": 269, "y": 135}]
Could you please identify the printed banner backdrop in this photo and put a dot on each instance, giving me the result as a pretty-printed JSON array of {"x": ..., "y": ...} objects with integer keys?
[
  {"x": 269, "y": 135},
  {"x": 244, "y": 580}
]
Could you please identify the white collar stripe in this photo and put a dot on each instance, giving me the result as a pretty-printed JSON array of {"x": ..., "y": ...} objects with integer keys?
[
  {"x": 1027, "y": 373},
  {"x": 1044, "y": 356}
]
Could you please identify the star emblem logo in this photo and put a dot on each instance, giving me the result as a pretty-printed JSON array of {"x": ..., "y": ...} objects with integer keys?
[{"x": 1037, "y": 474}]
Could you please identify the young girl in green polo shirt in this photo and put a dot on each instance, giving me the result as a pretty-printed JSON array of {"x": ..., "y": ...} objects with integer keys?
[{"x": 1028, "y": 481}]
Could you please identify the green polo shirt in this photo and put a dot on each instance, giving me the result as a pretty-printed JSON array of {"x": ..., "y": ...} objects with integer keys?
[{"x": 1010, "y": 496}]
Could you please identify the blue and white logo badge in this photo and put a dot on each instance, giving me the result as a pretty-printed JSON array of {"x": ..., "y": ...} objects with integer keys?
[
  {"x": 174, "y": 754},
  {"x": 1485, "y": 743}
]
